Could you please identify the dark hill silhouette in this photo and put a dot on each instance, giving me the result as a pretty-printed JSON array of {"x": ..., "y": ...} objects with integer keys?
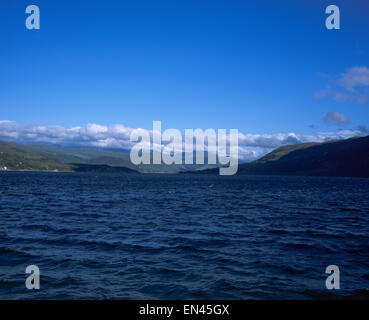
[{"x": 341, "y": 158}]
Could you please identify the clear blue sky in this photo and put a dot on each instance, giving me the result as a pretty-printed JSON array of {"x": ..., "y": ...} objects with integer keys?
[{"x": 250, "y": 65}]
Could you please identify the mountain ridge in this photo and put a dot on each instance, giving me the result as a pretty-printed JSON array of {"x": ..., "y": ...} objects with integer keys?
[
  {"x": 346, "y": 157},
  {"x": 342, "y": 158},
  {"x": 16, "y": 157}
]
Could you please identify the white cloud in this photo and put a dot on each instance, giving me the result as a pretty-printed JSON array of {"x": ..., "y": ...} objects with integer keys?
[
  {"x": 95, "y": 135},
  {"x": 251, "y": 146},
  {"x": 267, "y": 140}
]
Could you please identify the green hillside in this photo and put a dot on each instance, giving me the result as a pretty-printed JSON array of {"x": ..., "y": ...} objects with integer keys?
[
  {"x": 80, "y": 155},
  {"x": 13, "y": 158},
  {"x": 102, "y": 157}
]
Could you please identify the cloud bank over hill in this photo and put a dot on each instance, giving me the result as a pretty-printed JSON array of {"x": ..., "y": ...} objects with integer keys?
[{"x": 251, "y": 146}]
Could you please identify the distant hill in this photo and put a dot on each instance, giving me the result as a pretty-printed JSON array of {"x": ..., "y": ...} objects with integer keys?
[
  {"x": 345, "y": 158},
  {"x": 89, "y": 159},
  {"x": 100, "y": 157},
  {"x": 13, "y": 158},
  {"x": 80, "y": 155},
  {"x": 17, "y": 157},
  {"x": 341, "y": 158}
]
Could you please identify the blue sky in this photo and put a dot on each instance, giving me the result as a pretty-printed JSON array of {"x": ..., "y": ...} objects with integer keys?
[{"x": 263, "y": 67}]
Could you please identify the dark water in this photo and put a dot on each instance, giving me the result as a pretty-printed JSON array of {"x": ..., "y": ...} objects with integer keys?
[{"x": 183, "y": 237}]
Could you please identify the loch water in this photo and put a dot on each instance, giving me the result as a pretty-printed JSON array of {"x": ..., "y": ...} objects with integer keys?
[{"x": 131, "y": 236}]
